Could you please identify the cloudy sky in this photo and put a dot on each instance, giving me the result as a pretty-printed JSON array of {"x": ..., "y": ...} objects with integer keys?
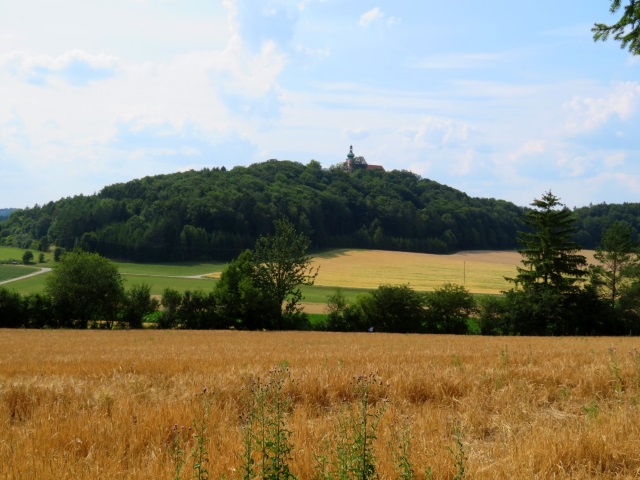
[{"x": 496, "y": 98}]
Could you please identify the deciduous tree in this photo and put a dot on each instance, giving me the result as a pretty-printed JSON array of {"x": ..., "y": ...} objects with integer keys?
[
  {"x": 282, "y": 265},
  {"x": 84, "y": 286}
]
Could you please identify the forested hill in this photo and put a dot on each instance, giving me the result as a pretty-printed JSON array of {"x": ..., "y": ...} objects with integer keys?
[
  {"x": 5, "y": 212},
  {"x": 216, "y": 213}
]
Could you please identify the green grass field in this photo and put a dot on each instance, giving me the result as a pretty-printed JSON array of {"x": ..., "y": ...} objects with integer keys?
[
  {"x": 8, "y": 272},
  {"x": 354, "y": 271},
  {"x": 179, "y": 269}
]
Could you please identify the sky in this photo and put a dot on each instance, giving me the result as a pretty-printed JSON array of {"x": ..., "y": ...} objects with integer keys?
[{"x": 496, "y": 98}]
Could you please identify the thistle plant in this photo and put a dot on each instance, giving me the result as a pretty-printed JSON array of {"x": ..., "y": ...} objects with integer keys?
[
  {"x": 400, "y": 448},
  {"x": 176, "y": 449},
  {"x": 199, "y": 453},
  {"x": 180, "y": 439},
  {"x": 267, "y": 446},
  {"x": 458, "y": 453},
  {"x": 614, "y": 366},
  {"x": 354, "y": 455}
]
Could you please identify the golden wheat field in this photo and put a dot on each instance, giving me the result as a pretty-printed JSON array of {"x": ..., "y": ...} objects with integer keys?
[
  {"x": 102, "y": 405},
  {"x": 479, "y": 271}
]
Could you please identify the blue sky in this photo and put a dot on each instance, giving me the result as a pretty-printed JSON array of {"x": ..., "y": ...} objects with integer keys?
[{"x": 496, "y": 98}]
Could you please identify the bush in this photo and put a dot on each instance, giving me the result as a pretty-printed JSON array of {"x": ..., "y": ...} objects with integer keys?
[
  {"x": 171, "y": 300},
  {"x": 198, "y": 311},
  {"x": 492, "y": 316},
  {"x": 449, "y": 309},
  {"x": 393, "y": 308},
  {"x": 342, "y": 316},
  {"x": 136, "y": 305},
  {"x": 11, "y": 309},
  {"x": 27, "y": 257}
]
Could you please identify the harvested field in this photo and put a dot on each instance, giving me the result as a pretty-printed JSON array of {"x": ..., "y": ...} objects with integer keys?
[
  {"x": 96, "y": 404},
  {"x": 479, "y": 271}
]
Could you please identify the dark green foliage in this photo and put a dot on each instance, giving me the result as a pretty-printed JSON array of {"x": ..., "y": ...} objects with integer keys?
[
  {"x": 492, "y": 318},
  {"x": 594, "y": 220},
  {"x": 281, "y": 266},
  {"x": 11, "y": 309},
  {"x": 241, "y": 302},
  {"x": 534, "y": 311},
  {"x": 27, "y": 257},
  {"x": 198, "y": 311},
  {"x": 137, "y": 303},
  {"x": 617, "y": 259},
  {"x": 626, "y": 30},
  {"x": 550, "y": 256},
  {"x": 171, "y": 300},
  {"x": 393, "y": 308},
  {"x": 41, "y": 257},
  {"x": 628, "y": 310},
  {"x": 85, "y": 287},
  {"x": 343, "y": 316},
  {"x": 57, "y": 253},
  {"x": 215, "y": 213},
  {"x": 39, "y": 311},
  {"x": 448, "y": 309},
  {"x": 551, "y": 299},
  {"x": 545, "y": 311}
]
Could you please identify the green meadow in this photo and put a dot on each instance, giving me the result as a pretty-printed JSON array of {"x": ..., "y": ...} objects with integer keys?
[{"x": 355, "y": 272}]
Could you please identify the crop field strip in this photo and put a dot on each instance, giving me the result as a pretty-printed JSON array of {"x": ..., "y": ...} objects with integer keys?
[
  {"x": 95, "y": 404},
  {"x": 9, "y": 272}
]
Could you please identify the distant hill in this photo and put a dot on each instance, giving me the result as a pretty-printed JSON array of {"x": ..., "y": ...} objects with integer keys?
[
  {"x": 5, "y": 212},
  {"x": 216, "y": 213}
]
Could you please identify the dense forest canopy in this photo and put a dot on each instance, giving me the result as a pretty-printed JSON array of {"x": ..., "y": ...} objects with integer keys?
[
  {"x": 216, "y": 213},
  {"x": 5, "y": 212}
]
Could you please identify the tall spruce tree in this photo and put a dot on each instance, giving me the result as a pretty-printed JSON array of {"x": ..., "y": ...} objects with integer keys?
[{"x": 551, "y": 258}]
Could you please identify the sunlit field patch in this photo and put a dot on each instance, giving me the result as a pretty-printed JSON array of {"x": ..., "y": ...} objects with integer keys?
[{"x": 95, "y": 404}]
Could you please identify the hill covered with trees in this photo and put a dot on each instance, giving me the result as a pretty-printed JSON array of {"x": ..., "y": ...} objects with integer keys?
[
  {"x": 5, "y": 212},
  {"x": 217, "y": 213}
]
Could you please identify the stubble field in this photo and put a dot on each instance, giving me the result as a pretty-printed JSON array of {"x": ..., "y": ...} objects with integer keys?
[{"x": 95, "y": 404}]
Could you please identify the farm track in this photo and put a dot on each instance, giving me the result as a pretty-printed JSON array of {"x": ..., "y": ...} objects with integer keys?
[{"x": 39, "y": 272}]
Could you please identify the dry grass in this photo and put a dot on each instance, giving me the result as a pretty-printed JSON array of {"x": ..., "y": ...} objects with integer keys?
[
  {"x": 92, "y": 404},
  {"x": 479, "y": 272}
]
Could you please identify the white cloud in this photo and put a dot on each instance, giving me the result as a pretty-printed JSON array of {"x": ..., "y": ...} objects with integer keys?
[
  {"x": 75, "y": 67},
  {"x": 434, "y": 132},
  {"x": 586, "y": 114},
  {"x": 375, "y": 15},
  {"x": 530, "y": 147},
  {"x": 370, "y": 17}
]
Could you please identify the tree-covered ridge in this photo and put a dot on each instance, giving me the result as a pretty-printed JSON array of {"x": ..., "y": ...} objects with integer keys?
[
  {"x": 5, "y": 212},
  {"x": 592, "y": 221},
  {"x": 217, "y": 213}
]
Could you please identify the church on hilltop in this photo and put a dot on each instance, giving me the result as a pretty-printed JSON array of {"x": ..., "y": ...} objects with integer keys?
[{"x": 354, "y": 163}]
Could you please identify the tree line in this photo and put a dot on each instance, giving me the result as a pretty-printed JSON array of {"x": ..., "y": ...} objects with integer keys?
[
  {"x": 218, "y": 213},
  {"x": 555, "y": 291}
]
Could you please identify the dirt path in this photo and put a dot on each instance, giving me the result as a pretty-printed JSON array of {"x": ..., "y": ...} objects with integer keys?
[{"x": 42, "y": 270}]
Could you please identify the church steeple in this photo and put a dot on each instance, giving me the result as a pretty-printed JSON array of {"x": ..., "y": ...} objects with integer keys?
[{"x": 351, "y": 156}]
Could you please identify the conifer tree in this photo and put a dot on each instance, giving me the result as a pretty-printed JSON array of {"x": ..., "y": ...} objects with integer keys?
[
  {"x": 551, "y": 258},
  {"x": 617, "y": 260}
]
